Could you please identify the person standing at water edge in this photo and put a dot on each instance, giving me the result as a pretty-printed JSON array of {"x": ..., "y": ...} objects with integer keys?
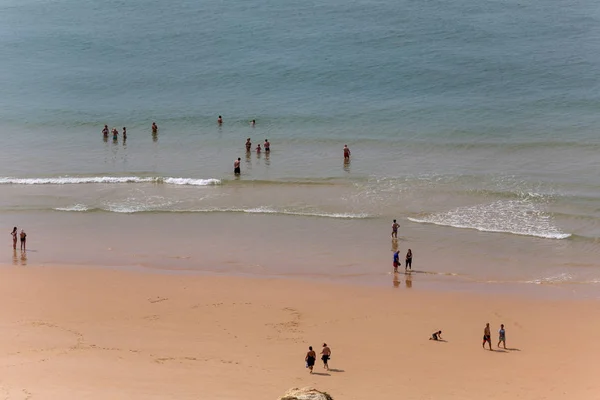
[
  {"x": 23, "y": 240},
  {"x": 267, "y": 146},
  {"x": 346, "y": 153},
  {"x": 487, "y": 336},
  {"x": 325, "y": 355},
  {"x": 154, "y": 127},
  {"x": 502, "y": 336},
  {"x": 396, "y": 260},
  {"x": 14, "y": 235},
  {"x": 105, "y": 131},
  {"x": 236, "y": 166},
  {"x": 310, "y": 358},
  {"x": 408, "y": 262},
  {"x": 248, "y": 145},
  {"x": 220, "y": 120},
  {"x": 395, "y": 227}
]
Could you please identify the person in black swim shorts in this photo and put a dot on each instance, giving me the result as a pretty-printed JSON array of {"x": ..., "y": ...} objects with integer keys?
[
  {"x": 310, "y": 358},
  {"x": 236, "y": 166},
  {"x": 325, "y": 356}
]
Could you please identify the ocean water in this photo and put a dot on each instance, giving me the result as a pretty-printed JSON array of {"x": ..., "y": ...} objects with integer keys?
[{"x": 461, "y": 117}]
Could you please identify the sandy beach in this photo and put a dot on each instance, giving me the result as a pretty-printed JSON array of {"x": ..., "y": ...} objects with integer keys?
[{"x": 84, "y": 332}]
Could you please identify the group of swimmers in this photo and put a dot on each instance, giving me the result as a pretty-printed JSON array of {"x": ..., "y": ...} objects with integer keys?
[
  {"x": 114, "y": 132},
  {"x": 22, "y": 236},
  {"x": 311, "y": 357},
  {"x": 267, "y": 148}
]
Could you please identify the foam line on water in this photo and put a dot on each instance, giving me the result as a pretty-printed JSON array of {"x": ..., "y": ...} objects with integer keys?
[{"x": 67, "y": 180}]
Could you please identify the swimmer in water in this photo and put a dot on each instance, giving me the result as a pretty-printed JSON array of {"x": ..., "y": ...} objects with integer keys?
[
  {"x": 253, "y": 123},
  {"x": 248, "y": 145},
  {"x": 267, "y": 146},
  {"x": 220, "y": 120},
  {"x": 124, "y": 133},
  {"x": 236, "y": 166},
  {"x": 346, "y": 153},
  {"x": 154, "y": 127},
  {"x": 105, "y": 131},
  {"x": 115, "y": 133},
  {"x": 258, "y": 149},
  {"x": 395, "y": 227}
]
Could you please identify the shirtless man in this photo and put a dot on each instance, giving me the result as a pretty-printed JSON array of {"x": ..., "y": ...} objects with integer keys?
[
  {"x": 487, "y": 336},
  {"x": 236, "y": 166},
  {"x": 23, "y": 240},
  {"x": 395, "y": 227},
  {"x": 248, "y": 145},
  {"x": 220, "y": 120},
  {"x": 310, "y": 358},
  {"x": 346, "y": 153},
  {"x": 267, "y": 146},
  {"x": 154, "y": 127},
  {"x": 105, "y": 131},
  {"x": 124, "y": 133},
  {"x": 325, "y": 355},
  {"x": 436, "y": 335}
]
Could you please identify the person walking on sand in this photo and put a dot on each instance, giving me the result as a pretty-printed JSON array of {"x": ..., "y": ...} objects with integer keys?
[
  {"x": 408, "y": 262},
  {"x": 396, "y": 261},
  {"x": 502, "y": 336},
  {"x": 154, "y": 127},
  {"x": 395, "y": 227},
  {"x": 236, "y": 166},
  {"x": 436, "y": 335},
  {"x": 325, "y": 356},
  {"x": 346, "y": 153},
  {"x": 14, "y": 235},
  {"x": 220, "y": 120},
  {"x": 267, "y": 146},
  {"x": 248, "y": 145},
  {"x": 487, "y": 336},
  {"x": 23, "y": 240},
  {"x": 310, "y": 358}
]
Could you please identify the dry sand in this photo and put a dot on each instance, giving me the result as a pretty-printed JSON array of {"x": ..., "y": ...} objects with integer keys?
[{"x": 90, "y": 333}]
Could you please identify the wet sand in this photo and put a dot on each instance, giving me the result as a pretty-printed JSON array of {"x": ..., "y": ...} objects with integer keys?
[
  {"x": 322, "y": 249},
  {"x": 85, "y": 332}
]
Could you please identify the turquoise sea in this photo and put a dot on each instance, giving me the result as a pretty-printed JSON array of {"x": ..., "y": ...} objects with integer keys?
[{"x": 461, "y": 116}]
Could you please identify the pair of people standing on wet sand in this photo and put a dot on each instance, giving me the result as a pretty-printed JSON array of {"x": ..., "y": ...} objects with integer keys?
[
  {"x": 311, "y": 357},
  {"x": 22, "y": 236}
]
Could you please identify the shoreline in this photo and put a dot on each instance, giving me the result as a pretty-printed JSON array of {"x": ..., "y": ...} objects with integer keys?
[{"x": 71, "y": 330}]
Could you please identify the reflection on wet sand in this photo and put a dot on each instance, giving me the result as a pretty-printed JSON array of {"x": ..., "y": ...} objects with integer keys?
[
  {"x": 408, "y": 280},
  {"x": 396, "y": 281},
  {"x": 22, "y": 260},
  {"x": 154, "y": 137}
]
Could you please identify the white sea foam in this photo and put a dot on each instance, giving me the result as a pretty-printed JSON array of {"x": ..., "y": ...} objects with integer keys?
[
  {"x": 76, "y": 207},
  {"x": 519, "y": 217},
  {"x": 67, "y": 180}
]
